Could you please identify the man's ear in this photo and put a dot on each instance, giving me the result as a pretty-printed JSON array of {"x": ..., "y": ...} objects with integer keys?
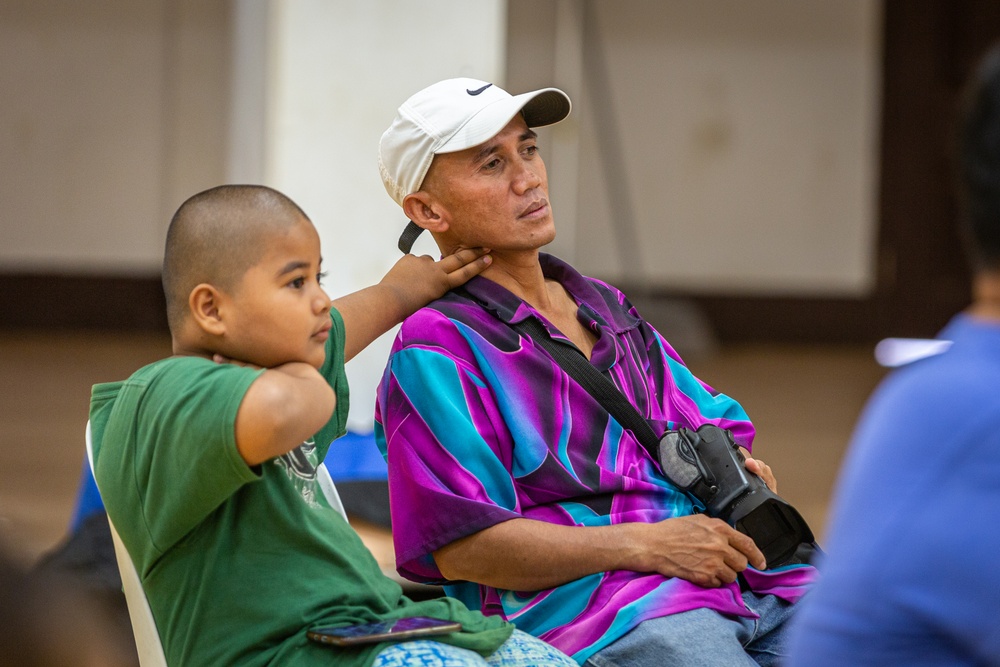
[
  {"x": 426, "y": 212},
  {"x": 204, "y": 302}
]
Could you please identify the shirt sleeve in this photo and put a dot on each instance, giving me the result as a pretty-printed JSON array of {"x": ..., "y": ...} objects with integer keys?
[
  {"x": 448, "y": 452},
  {"x": 185, "y": 462}
]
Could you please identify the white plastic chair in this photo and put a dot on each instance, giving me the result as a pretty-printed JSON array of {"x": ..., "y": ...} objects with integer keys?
[{"x": 147, "y": 637}]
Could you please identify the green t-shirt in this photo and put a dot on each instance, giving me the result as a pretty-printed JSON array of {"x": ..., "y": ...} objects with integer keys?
[{"x": 237, "y": 561}]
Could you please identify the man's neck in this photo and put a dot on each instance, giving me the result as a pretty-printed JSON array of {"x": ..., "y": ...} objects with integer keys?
[{"x": 521, "y": 274}]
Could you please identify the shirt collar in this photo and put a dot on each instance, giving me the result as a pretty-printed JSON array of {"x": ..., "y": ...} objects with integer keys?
[{"x": 601, "y": 305}]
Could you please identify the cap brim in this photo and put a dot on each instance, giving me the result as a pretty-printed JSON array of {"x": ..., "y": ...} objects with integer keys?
[
  {"x": 546, "y": 107},
  {"x": 539, "y": 107}
]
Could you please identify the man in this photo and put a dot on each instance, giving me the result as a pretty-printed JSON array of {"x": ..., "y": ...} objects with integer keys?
[
  {"x": 508, "y": 481},
  {"x": 911, "y": 539}
]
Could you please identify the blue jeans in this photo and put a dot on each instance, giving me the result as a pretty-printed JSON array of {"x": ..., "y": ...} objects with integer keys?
[{"x": 703, "y": 638}]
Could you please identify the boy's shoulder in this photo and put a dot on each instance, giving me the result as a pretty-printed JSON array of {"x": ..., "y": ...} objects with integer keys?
[
  {"x": 185, "y": 388},
  {"x": 170, "y": 364},
  {"x": 172, "y": 377},
  {"x": 150, "y": 371}
]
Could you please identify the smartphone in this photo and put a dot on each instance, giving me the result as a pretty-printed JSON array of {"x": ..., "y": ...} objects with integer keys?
[{"x": 370, "y": 633}]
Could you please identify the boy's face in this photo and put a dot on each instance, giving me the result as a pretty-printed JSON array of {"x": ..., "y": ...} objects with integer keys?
[{"x": 279, "y": 313}]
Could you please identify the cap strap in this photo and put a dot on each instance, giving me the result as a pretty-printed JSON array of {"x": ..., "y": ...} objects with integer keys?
[{"x": 408, "y": 236}]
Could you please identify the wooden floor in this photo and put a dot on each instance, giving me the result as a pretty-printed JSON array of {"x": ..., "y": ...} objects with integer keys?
[
  {"x": 804, "y": 401},
  {"x": 45, "y": 381}
]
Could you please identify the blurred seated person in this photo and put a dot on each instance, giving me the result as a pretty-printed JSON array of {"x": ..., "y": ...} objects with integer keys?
[
  {"x": 906, "y": 578},
  {"x": 49, "y": 620}
]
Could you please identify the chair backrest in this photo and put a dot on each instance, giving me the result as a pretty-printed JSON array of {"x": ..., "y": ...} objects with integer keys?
[
  {"x": 329, "y": 490},
  {"x": 147, "y": 637}
]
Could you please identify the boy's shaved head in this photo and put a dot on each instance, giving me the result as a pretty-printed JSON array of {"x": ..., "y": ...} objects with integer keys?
[{"x": 216, "y": 236}]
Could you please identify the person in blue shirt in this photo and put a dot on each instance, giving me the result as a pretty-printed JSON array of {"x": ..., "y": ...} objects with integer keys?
[{"x": 907, "y": 578}]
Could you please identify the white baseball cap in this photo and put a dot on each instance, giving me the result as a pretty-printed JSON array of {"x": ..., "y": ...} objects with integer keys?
[{"x": 450, "y": 116}]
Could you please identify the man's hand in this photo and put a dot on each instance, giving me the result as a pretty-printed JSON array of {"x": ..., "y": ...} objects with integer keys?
[
  {"x": 762, "y": 470},
  {"x": 704, "y": 551}
]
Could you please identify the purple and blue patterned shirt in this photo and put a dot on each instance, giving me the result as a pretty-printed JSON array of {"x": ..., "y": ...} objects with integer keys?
[{"x": 480, "y": 425}]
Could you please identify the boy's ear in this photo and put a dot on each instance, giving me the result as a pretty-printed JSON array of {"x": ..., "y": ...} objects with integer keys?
[
  {"x": 424, "y": 210},
  {"x": 204, "y": 302}
]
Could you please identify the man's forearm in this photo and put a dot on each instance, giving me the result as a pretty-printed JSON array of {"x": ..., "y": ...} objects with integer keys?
[{"x": 527, "y": 555}]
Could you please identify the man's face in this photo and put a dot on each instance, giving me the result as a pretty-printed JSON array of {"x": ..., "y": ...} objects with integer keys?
[
  {"x": 495, "y": 195},
  {"x": 279, "y": 312}
]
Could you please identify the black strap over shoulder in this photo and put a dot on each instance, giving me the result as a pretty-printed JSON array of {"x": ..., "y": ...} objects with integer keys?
[
  {"x": 571, "y": 359},
  {"x": 774, "y": 525},
  {"x": 577, "y": 366}
]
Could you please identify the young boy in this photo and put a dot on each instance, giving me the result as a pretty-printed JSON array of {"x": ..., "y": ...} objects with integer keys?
[{"x": 207, "y": 460}]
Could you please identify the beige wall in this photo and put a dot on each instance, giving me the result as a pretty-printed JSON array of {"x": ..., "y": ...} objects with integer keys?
[
  {"x": 113, "y": 111},
  {"x": 743, "y": 137},
  {"x": 336, "y": 70},
  {"x": 748, "y": 130}
]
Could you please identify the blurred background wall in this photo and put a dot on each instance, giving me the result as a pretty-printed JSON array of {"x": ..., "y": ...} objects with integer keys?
[{"x": 775, "y": 170}]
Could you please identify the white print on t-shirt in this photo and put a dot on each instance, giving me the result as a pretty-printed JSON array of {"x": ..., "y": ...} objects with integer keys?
[{"x": 300, "y": 467}]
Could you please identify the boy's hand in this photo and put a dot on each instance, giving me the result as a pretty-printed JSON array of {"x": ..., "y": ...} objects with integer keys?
[
  {"x": 219, "y": 359},
  {"x": 411, "y": 283},
  {"x": 419, "y": 280}
]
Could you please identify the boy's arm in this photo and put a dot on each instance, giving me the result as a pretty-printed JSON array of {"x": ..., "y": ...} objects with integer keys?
[
  {"x": 283, "y": 408},
  {"x": 410, "y": 284}
]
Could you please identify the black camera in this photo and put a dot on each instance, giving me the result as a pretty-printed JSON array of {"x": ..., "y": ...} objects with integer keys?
[{"x": 708, "y": 465}]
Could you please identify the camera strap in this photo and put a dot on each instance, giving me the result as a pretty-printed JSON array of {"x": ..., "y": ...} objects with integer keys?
[
  {"x": 781, "y": 533},
  {"x": 604, "y": 391}
]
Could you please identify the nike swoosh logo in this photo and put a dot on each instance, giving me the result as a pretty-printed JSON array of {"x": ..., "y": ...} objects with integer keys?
[{"x": 478, "y": 90}]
